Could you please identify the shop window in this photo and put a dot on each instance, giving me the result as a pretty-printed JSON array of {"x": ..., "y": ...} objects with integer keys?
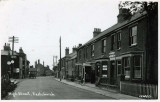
[
  {"x": 118, "y": 67},
  {"x": 104, "y": 69},
  {"x": 127, "y": 67},
  {"x": 104, "y": 46},
  {"x": 137, "y": 66},
  {"x": 112, "y": 42},
  {"x": 133, "y": 36},
  {"x": 119, "y": 41}
]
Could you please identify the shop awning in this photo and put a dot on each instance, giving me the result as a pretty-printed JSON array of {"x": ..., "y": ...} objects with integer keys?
[
  {"x": 86, "y": 64},
  {"x": 78, "y": 64}
]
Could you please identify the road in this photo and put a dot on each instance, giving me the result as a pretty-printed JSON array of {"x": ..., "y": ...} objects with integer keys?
[{"x": 47, "y": 88}]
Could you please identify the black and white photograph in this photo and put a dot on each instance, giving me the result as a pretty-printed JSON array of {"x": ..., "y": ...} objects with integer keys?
[{"x": 79, "y": 50}]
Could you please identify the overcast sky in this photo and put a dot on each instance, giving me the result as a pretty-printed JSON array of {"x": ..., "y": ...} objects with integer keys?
[{"x": 39, "y": 24}]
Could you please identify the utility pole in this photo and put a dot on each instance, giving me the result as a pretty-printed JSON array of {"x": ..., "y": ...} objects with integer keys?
[
  {"x": 60, "y": 59},
  {"x": 13, "y": 40}
]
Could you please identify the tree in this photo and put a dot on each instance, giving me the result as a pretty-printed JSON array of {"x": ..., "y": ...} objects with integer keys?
[{"x": 149, "y": 7}]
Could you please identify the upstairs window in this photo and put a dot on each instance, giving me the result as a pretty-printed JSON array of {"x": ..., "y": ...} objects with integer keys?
[
  {"x": 92, "y": 50},
  {"x": 86, "y": 51},
  {"x": 112, "y": 41},
  {"x": 133, "y": 36},
  {"x": 84, "y": 54},
  {"x": 119, "y": 41},
  {"x": 104, "y": 46},
  {"x": 80, "y": 54}
]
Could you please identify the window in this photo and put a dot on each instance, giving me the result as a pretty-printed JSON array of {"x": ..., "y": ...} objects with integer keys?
[
  {"x": 137, "y": 61},
  {"x": 133, "y": 36},
  {"x": 118, "y": 67},
  {"x": 86, "y": 53},
  {"x": 92, "y": 50},
  {"x": 112, "y": 42},
  {"x": 119, "y": 41},
  {"x": 127, "y": 67},
  {"x": 98, "y": 68},
  {"x": 104, "y": 46},
  {"x": 80, "y": 54}
]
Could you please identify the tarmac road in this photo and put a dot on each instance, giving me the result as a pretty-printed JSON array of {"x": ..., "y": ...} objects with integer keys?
[{"x": 47, "y": 88}]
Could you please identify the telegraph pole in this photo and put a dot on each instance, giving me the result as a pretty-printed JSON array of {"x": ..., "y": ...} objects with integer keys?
[
  {"x": 60, "y": 60},
  {"x": 13, "y": 40}
]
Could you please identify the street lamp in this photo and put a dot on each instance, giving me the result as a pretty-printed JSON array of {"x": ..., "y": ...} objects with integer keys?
[{"x": 9, "y": 63}]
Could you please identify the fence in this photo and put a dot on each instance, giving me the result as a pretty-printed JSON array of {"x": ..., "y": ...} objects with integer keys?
[{"x": 148, "y": 91}]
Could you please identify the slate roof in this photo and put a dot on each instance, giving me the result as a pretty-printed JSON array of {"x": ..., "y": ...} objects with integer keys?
[
  {"x": 4, "y": 52},
  {"x": 116, "y": 26}
]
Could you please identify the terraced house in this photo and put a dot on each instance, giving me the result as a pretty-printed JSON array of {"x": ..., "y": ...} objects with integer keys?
[{"x": 124, "y": 55}]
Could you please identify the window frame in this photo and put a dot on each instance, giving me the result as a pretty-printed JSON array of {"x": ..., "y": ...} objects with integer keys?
[
  {"x": 140, "y": 66},
  {"x": 92, "y": 50},
  {"x": 112, "y": 41},
  {"x": 133, "y": 36},
  {"x": 127, "y": 67},
  {"x": 103, "y": 45},
  {"x": 119, "y": 39},
  {"x": 118, "y": 67}
]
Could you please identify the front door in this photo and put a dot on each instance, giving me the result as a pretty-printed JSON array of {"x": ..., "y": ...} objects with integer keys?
[{"x": 112, "y": 72}]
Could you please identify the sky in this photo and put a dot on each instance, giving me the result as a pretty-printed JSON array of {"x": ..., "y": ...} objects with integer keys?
[{"x": 39, "y": 24}]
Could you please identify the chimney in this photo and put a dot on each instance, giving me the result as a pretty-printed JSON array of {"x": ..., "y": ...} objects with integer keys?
[
  {"x": 96, "y": 31},
  {"x": 20, "y": 50},
  {"x": 38, "y": 61},
  {"x": 43, "y": 63},
  {"x": 123, "y": 15},
  {"x": 74, "y": 49},
  {"x": 67, "y": 51},
  {"x": 80, "y": 45},
  {"x": 6, "y": 47}
]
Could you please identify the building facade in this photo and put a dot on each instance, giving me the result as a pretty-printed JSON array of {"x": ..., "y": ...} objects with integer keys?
[{"x": 121, "y": 52}]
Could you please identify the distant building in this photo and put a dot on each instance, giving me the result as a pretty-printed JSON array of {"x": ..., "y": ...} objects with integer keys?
[
  {"x": 40, "y": 68},
  {"x": 15, "y": 65}
]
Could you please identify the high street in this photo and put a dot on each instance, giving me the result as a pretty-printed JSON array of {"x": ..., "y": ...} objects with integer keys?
[{"x": 49, "y": 88}]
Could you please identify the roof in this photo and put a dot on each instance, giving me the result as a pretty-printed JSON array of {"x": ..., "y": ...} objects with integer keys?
[
  {"x": 5, "y": 52},
  {"x": 116, "y": 26},
  {"x": 32, "y": 69}
]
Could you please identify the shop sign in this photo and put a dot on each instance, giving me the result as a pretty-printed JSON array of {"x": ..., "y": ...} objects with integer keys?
[
  {"x": 104, "y": 67},
  {"x": 111, "y": 54}
]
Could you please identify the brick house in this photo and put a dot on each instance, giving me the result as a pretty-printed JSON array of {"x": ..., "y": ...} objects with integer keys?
[
  {"x": 68, "y": 64},
  {"x": 122, "y": 53}
]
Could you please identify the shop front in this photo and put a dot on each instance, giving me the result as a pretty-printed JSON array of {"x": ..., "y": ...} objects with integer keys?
[
  {"x": 101, "y": 72},
  {"x": 88, "y": 72}
]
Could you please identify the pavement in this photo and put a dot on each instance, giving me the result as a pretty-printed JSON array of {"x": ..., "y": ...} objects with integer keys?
[{"x": 91, "y": 87}]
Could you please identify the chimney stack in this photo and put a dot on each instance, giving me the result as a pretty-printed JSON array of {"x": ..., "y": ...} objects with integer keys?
[
  {"x": 38, "y": 61},
  {"x": 74, "y": 49},
  {"x": 80, "y": 45},
  {"x": 7, "y": 47},
  {"x": 96, "y": 31},
  {"x": 67, "y": 51},
  {"x": 43, "y": 63},
  {"x": 124, "y": 14}
]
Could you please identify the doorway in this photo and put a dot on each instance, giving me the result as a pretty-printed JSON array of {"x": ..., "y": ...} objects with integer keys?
[{"x": 112, "y": 72}]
